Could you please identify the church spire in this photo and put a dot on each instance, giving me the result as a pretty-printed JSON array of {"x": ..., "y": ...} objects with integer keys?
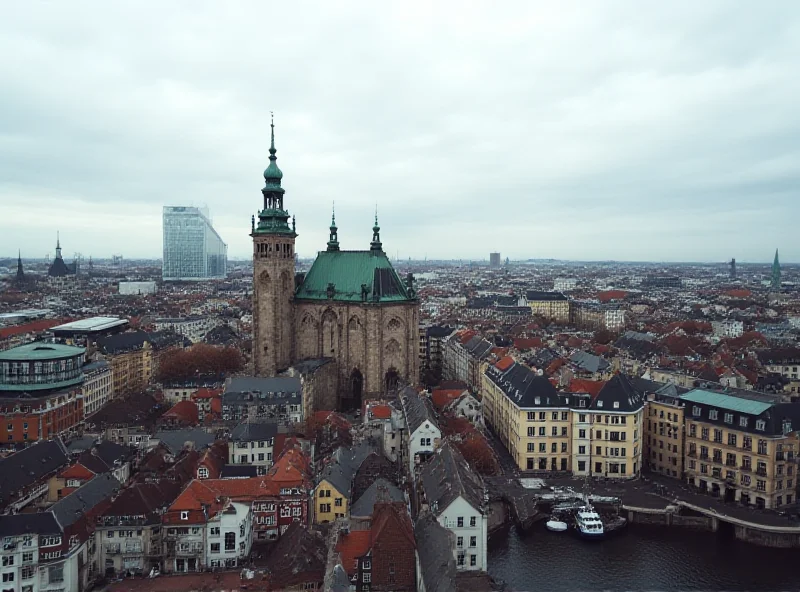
[
  {"x": 776, "y": 272},
  {"x": 274, "y": 218},
  {"x": 333, "y": 241},
  {"x": 58, "y": 245},
  {"x": 20, "y": 270},
  {"x": 376, "y": 245}
]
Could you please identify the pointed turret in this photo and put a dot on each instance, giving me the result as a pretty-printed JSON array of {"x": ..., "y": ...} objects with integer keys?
[
  {"x": 58, "y": 245},
  {"x": 376, "y": 245},
  {"x": 333, "y": 241},
  {"x": 273, "y": 219},
  {"x": 776, "y": 272}
]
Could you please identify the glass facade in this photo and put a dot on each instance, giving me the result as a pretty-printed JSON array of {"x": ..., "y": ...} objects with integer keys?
[{"x": 192, "y": 248}]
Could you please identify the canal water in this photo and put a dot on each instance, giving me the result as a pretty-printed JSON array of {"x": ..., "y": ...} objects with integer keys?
[{"x": 639, "y": 558}]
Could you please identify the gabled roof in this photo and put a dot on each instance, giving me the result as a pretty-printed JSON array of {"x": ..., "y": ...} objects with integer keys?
[
  {"x": 85, "y": 499},
  {"x": 175, "y": 440},
  {"x": 183, "y": 411},
  {"x": 24, "y": 468},
  {"x": 435, "y": 551},
  {"x": 351, "y": 546},
  {"x": 417, "y": 409},
  {"x": 589, "y": 362},
  {"x": 380, "y": 488},
  {"x": 391, "y": 520},
  {"x": 343, "y": 467},
  {"x": 348, "y": 271},
  {"x": 250, "y": 432},
  {"x": 446, "y": 476},
  {"x": 298, "y": 557},
  {"x": 22, "y": 524},
  {"x": 526, "y": 388},
  {"x": 620, "y": 391},
  {"x": 292, "y": 468},
  {"x": 144, "y": 499}
]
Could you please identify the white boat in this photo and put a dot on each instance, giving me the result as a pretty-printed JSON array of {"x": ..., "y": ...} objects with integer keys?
[
  {"x": 556, "y": 525},
  {"x": 588, "y": 523}
]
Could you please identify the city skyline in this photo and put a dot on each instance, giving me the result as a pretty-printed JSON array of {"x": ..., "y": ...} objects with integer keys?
[{"x": 501, "y": 131}]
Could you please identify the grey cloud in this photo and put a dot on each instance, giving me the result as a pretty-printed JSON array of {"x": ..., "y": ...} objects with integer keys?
[{"x": 572, "y": 130}]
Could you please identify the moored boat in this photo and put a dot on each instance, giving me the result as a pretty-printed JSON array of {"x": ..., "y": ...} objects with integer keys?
[
  {"x": 556, "y": 525},
  {"x": 588, "y": 523}
]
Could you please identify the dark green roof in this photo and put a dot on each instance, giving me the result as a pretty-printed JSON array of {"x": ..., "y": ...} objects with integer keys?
[
  {"x": 347, "y": 271},
  {"x": 41, "y": 350},
  {"x": 729, "y": 402}
]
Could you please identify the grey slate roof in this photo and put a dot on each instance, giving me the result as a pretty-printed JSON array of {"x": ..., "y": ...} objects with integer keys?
[
  {"x": 589, "y": 362},
  {"x": 417, "y": 409},
  {"x": 81, "y": 444},
  {"x": 175, "y": 440},
  {"x": 478, "y": 347},
  {"x": 446, "y": 476},
  {"x": 435, "y": 549},
  {"x": 26, "y": 467},
  {"x": 343, "y": 467},
  {"x": 619, "y": 390},
  {"x": 21, "y": 524},
  {"x": 340, "y": 581},
  {"x": 276, "y": 390},
  {"x": 365, "y": 505},
  {"x": 526, "y": 388},
  {"x": 69, "y": 509},
  {"x": 238, "y": 471},
  {"x": 253, "y": 431}
]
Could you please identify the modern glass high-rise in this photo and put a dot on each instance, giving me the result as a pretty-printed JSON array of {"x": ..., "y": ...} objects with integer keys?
[{"x": 192, "y": 248}]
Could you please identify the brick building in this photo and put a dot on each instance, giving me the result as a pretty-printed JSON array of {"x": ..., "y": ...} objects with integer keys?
[{"x": 40, "y": 391}]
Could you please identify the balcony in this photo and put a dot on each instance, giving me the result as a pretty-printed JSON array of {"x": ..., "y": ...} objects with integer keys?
[
  {"x": 761, "y": 472},
  {"x": 729, "y": 463},
  {"x": 692, "y": 453},
  {"x": 747, "y": 468},
  {"x": 703, "y": 457}
]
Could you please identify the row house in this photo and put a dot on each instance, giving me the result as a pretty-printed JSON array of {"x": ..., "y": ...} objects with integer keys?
[
  {"x": 277, "y": 399},
  {"x": 423, "y": 435},
  {"x": 102, "y": 458},
  {"x": 547, "y": 430},
  {"x": 253, "y": 443},
  {"x": 97, "y": 386},
  {"x": 128, "y": 533},
  {"x": 26, "y": 474},
  {"x": 664, "y": 431},
  {"x": 334, "y": 487},
  {"x": 54, "y": 550},
  {"x": 457, "y": 498},
  {"x": 202, "y": 530},
  {"x": 381, "y": 557}
]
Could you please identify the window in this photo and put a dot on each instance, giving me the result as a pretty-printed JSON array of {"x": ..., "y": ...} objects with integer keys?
[
  {"x": 761, "y": 485},
  {"x": 713, "y": 414},
  {"x": 27, "y": 558},
  {"x": 50, "y": 541},
  {"x": 531, "y": 416},
  {"x": 542, "y": 431},
  {"x": 542, "y": 447},
  {"x": 230, "y": 541},
  {"x": 261, "y": 456},
  {"x": 581, "y": 433},
  {"x": 531, "y": 447},
  {"x": 8, "y": 560},
  {"x": 693, "y": 431},
  {"x": 473, "y": 560},
  {"x": 599, "y": 403},
  {"x": 367, "y": 578},
  {"x": 762, "y": 446},
  {"x": 729, "y": 418},
  {"x": 531, "y": 432},
  {"x": 704, "y": 433},
  {"x": 696, "y": 411},
  {"x": 563, "y": 447},
  {"x": 460, "y": 521},
  {"x": 56, "y": 573},
  {"x": 564, "y": 415},
  {"x": 747, "y": 442},
  {"x": 215, "y": 531},
  {"x": 760, "y": 425},
  {"x": 582, "y": 417},
  {"x": 473, "y": 521},
  {"x": 581, "y": 465},
  {"x": 473, "y": 541},
  {"x": 8, "y": 577},
  {"x": 742, "y": 421},
  {"x": 337, "y": 502},
  {"x": 554, "y": 447},
  {"x": 460, "y": 542},
  {"x": 215, "y": 547},
  {"x": 184, "y": 515},
  {"x": 717, "y": 435},
  {"x": 555, "y": 431},
  {"x": 731, "y": 439},
  {"x": 324, "y": 508},
  {"x": 555, "y": 415},
  {"x": 616, "y": 405},
  {"x": 581, "y": 449},
  {"x": 542, "y": 416},
  {"x": 202, "y": 473},
  {"x": 563, "y": 431}
]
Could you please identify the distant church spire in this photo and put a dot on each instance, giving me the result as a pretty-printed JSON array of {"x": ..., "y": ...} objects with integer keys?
[
  {"x": 58, "y": 245},
  {"x": 376, "y": 244},
  {"x": 776, "y": 272},
  {"x": 333, "y": 241},
  {"x": 20, "y": 271}
]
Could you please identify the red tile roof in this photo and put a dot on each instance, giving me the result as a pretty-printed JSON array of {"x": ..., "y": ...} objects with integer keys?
[
  {"x": 207, "y": 393},
  {"x": 32, "y": 327},
  {"x": 465, "y": 336},
  {"x": 182, "y": 411},
  {"x": 381, "y": 411},
  {"x": 292, "y": 468},
  {"x": 505, "y": 363},
  {"x": 76, "y": 471},
  {"x": 609, "y": 295},
  {"x": 214, "y": 458},
  {"x": 443, "y": 397},
  {"x": 522, "y": 343},
  {"x": 593, "y": 387},
  {"x": 352, "y": 546}
]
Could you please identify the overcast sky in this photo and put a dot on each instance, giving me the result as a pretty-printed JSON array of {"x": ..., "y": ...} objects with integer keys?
[{"x": 634, "y": 130}]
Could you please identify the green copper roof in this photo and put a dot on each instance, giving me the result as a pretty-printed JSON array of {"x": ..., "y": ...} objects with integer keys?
[
  {"x": 728, "y": 402},
  {"x": 339, "y": 276},
  {"x": 41, "y": 386},
  {"x": 40, "y": 350},
  {"x": 274, "y": 221}
]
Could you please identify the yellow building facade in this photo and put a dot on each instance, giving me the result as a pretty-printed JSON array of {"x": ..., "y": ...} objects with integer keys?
[
  {"x": 664, "y": 436},
  {"x": 329, "y": 503},
  {"x": 546, "y": 430}
]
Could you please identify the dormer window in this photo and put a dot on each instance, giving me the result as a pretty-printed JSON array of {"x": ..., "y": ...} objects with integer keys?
[
  {"x": 760, "y": 425},
  {"x": 599, "y": 403},
  {"x": 696, "y": 411},
  {"x": 616, "y": 404},
  {"x": 184, "y": 515},
  {"x": 202, "y": 473}
]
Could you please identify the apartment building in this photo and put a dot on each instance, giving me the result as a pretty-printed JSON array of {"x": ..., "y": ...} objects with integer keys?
[
  {"x": 742, "y": 448},
  {"x": 547, "y": 430},
  {"x": 664, "y": 432},
  {"x": 97, "y": 386},
  {"x": 550, "y": 305}
]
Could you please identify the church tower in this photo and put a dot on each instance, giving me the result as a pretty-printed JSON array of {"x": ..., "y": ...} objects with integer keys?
[{"x": 273, "y": 275}]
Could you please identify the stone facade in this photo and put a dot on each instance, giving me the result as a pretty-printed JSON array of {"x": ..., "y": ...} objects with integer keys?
[{"x": 351, "y": 307}]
